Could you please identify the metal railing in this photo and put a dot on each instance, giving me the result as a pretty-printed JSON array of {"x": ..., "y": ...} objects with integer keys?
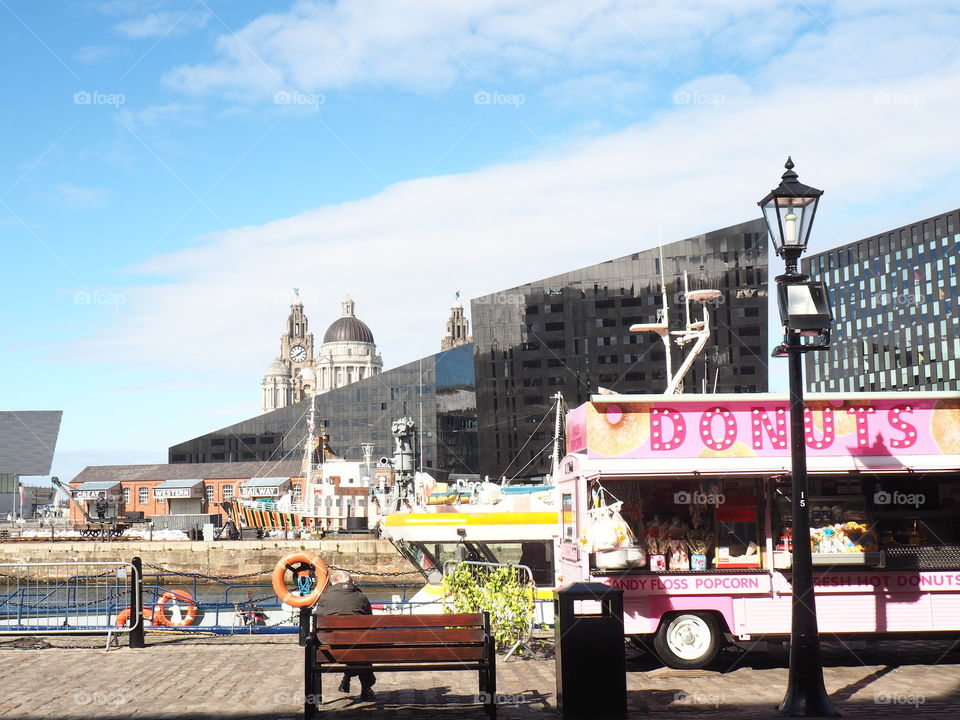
[
  {"x": 230, "y": 608},
  {"x": 67, "y": 597},
  {"x": 99, "y": 597}
]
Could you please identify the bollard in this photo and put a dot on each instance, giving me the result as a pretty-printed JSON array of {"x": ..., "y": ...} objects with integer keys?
[
  {"x": 590, "y": 660},
  {"x": 136, "y": 604}
]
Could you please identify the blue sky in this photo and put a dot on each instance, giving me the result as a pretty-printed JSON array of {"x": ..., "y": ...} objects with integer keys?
[{"x": 172, "y": 168}]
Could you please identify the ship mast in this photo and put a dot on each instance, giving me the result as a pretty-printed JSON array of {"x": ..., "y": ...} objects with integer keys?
[
  {"x": 310, "y": 437},
  {"x": 696, "y": 332},
  {"x": 556, "y": 434}
]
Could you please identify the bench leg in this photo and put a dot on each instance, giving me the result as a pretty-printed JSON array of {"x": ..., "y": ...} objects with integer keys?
[{"x": 491, "y": 680}]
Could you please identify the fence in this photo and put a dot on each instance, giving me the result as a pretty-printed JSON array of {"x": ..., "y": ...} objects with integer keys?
[
  {"x": 185, "y": 523},
  {"x": 68, "y": 597},
  {"x": 101, "y": 597}
]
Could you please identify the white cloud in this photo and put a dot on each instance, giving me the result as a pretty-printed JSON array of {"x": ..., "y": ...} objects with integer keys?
[
  {"x": 78, "y": 196},
  {"x": 90, "y": 54},
  {"x": 164, "y": 23},
  {"x": 607, "y": 89},
  {"x": 155, "y": 117},
  {"x": 425, "y": 45},
  {"x": 403, "y": 252}
]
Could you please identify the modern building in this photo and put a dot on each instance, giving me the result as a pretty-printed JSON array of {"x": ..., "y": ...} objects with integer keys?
[
  {"x": 896, "y": 307},
  {"x": 28, "y": 439},
  {"x": 437, "y": 391},
  {"x": 348, "y": 354},
  {"x": 570, "y": 334}
]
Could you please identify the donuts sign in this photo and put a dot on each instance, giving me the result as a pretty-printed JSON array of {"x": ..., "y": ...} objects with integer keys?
[{"x": 728, "y": 426}]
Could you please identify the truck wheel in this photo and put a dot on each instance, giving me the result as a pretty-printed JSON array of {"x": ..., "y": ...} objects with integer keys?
[{"x": 687, "y": 640}]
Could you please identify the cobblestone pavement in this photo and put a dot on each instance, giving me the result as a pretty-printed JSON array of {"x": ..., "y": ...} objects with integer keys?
[{"x": 261, "y": 677}]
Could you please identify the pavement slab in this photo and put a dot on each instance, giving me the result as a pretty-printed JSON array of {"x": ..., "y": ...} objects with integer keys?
[{"x": 259, "y": 677}]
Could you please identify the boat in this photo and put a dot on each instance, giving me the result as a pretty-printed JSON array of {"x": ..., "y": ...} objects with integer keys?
[{"x": 437, "y": 526}]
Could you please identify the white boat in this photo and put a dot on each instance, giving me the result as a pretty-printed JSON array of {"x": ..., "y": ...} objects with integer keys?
[{"x": 437, "y": 525}]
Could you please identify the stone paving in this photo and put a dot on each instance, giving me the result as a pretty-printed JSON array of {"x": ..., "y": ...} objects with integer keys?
[{"x": 261, "y": 677}]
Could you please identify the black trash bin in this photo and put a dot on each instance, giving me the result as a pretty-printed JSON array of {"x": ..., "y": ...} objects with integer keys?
[{"x": 591, "y": 664}]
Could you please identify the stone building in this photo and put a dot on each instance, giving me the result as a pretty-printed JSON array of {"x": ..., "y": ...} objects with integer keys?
[{"x": 348, "y": 354}]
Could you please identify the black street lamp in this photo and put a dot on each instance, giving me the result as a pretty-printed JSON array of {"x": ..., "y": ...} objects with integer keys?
[{"x": 789, "y": 210}]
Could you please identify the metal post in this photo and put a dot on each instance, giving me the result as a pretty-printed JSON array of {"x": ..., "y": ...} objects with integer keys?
[
  {"x": 806, "y": 695},
  {"x": 136, "y": 605},
  {"x": 306, "y": 616}
]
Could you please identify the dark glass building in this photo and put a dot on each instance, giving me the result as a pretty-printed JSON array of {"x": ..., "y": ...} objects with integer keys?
[
  {"x": 570, "y": 333},
  {"x": 895, "y": 303},
  {"x": 436, "y": 391}
]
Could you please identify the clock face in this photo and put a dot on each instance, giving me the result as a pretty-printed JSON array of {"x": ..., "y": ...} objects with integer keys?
[{"x": 298, "y": 353}]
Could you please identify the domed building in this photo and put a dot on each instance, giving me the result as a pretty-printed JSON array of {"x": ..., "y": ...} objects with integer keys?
[
  {"x": 275, "y": 387},
  {"x": 348, "y": 352}
]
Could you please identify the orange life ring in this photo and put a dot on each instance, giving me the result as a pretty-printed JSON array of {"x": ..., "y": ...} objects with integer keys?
[
  {"x": 160, "y": 617},
  {"x": 124, "y": 616},
  {"x": 301, "y": 564}
]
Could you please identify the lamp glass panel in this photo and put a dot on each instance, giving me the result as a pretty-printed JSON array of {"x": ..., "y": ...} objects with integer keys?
[
  {"x": 772, "y": 218},
  {"x": 800, "y": 301}
]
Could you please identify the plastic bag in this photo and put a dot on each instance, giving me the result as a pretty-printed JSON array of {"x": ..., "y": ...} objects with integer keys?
[{"x": 606, "y": 530}]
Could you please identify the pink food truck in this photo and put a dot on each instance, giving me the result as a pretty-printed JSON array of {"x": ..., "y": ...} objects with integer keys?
[{"x": 683, "y": 502}]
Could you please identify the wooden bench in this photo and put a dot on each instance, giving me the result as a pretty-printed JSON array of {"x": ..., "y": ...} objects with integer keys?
[{"x": 401, "y": 643}]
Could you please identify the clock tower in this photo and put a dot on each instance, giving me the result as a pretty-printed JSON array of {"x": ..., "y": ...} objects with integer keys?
[{"x": 296, "y": 353}]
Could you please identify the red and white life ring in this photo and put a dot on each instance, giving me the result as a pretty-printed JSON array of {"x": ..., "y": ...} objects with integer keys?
[
  {"x": 186, "y": 618},
  {"x": 124, "y": 617}
]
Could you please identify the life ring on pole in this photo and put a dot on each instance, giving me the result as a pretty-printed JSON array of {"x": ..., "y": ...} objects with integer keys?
[
  {"x": 307, "y": 569},
  {"x": 160, "y": 617},
  {"x": 124, "y": 617}
]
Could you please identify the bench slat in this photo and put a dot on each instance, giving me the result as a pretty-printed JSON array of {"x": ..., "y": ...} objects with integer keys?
[
  {"x": 452, "y": 653},
  {"x": 414, "y": 667},
  {"x": 404, "y": 636},
  {"x": 398, "y": 621}
]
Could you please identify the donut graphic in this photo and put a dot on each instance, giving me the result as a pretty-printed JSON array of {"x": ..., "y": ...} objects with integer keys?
[
  {"x": 738, "y": 449},
  {"x": 844, "y": 423},
  {"x": 945, "y": 426},
  {"x": 613, "y": 429}
]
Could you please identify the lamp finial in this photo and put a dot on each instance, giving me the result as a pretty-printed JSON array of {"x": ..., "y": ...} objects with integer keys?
[{"x": 789, "y": 176}]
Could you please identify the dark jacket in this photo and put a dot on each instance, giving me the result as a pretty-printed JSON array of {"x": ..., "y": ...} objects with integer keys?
[{"x": 343, "y": 599}]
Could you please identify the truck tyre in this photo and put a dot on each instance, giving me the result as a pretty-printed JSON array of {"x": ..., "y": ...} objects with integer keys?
[{"x": 688, "y": 640}]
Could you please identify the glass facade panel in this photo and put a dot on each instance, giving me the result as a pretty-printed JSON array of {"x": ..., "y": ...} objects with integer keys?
[
  {"x": 890, "y": 313},
  {"x": 574, "y": 351},
  {"x": 436, "y": 391}
]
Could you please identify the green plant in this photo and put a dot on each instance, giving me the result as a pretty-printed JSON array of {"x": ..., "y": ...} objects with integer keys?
[{"x": 503, "y": 591}]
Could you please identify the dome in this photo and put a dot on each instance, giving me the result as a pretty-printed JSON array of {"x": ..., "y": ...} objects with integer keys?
[
  {"x": 277, "y": 368},
  {"x": 348, "y": 329}
]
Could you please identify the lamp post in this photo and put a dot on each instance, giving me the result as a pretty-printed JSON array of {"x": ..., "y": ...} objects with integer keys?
[{"x": 789, "y": 210}]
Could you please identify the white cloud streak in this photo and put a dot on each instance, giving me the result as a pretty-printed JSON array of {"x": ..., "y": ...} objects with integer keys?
[
  {"x": 874, "y": 134},
  {"x": 426, "y": 45},
  {"x": 403, "y": 252}
]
